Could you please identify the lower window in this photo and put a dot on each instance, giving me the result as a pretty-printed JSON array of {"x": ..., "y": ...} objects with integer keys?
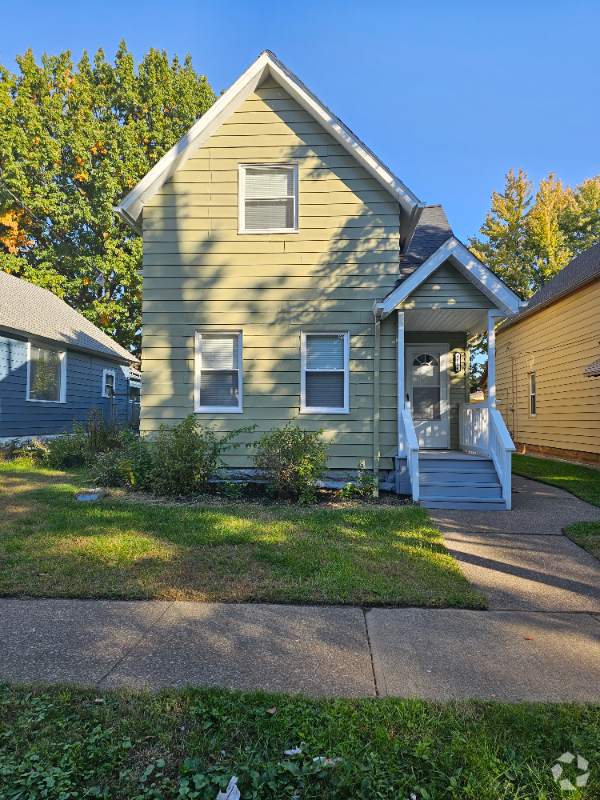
[
  {"x": 325, "y": 373},
  {"x": 46, "y": 375},
  {"x": 218, "y": 384}
]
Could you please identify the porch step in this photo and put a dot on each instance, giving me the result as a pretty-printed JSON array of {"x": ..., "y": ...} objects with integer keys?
[
  {"x": 459, "y": 482},
  {"x": 470, "y": 464},
  {"x": 463, "y": 504},
  {"x": 480, "y": 477},
  {"x": 474, "y": 491}
]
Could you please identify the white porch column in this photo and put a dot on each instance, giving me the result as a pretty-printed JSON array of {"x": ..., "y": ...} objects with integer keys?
[
  {"x": 492, "y": 359},
  {"x": 400, "y": 361}
]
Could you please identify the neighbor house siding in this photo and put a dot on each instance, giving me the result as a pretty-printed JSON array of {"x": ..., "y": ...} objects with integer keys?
[
  {"x": 199, "y": 273},
  {"x": 18, "y": 417},
  {"x": 556, "y": 343}
]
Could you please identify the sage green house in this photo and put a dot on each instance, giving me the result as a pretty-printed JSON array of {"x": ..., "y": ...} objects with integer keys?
[{"x": 288, "y": 273}]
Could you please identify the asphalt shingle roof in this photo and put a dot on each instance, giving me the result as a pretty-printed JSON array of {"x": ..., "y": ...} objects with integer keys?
[
  {"x": 430, "y": 234},
  {"x": 32, "y": 310},
  {"x": 592, "y": 370}
]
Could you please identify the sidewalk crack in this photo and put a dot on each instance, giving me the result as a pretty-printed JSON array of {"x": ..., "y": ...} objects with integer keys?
[
  {"x": 370, "y": 654},
  {"x": 135, "y": 644}
]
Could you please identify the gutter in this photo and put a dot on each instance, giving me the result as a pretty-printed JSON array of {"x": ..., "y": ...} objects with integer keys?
[{"x": 128, "y": 219}]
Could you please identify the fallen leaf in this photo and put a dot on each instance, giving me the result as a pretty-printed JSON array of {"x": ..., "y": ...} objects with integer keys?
[
  {"x": 529, "y": 638},
  {"x": 272, "y": 710}
]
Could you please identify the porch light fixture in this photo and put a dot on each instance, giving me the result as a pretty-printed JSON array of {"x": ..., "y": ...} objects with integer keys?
[{"x": 457, "y": 362}]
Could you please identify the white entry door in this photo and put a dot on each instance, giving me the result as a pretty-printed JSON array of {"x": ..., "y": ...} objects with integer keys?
[{"x": 427, "y": 394}]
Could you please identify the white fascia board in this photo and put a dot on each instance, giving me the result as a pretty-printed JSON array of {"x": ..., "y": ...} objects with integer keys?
[
  {"x": 476, "y": 272},
  {"x": 130, "y": 209}
]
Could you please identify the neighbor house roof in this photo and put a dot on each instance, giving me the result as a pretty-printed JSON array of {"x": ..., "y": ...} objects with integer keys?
[
  {"x": 36, "y": 312},
  {"x": 430, "y": 234},
  {"x": 592, "y": 370},
  {"x": 581, "y": 270},
  {"x": 267, "y": 65}
]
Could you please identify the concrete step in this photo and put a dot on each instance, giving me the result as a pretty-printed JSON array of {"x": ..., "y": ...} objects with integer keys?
[
  {"x": 463, "y": 504},
  {"x": 489, "y": 491},
  {"x": 459, "y": 476}
]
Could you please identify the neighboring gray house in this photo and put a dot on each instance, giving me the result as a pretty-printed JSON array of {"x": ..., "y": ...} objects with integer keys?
[{"x": 55, "y": 365}]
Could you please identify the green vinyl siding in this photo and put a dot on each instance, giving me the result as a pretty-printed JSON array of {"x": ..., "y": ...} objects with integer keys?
[
  {"x": 201, "y": 274},
  {"x": 447, "y": 288}
]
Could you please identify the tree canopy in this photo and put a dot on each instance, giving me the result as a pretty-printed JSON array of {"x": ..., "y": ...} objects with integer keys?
[
  {"x": 526, "y": 239},
  {"x": 74, "y": 139}
]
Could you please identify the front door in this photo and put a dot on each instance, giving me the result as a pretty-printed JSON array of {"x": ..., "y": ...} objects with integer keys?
[{"x": 427, "y": 394}]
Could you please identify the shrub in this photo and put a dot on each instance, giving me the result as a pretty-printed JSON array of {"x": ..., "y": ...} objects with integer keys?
[
  {"x": 185, "y": 456},
  {"x": 364, "y": 485},
  {"x": 291, "y": 461},
  {"x": 107, "y": 469},
  {"x": 88, "y": 438},
  {"x": 136, "y": 461}
]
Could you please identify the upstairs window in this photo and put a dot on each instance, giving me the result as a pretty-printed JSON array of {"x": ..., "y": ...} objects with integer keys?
[
  {"x": 268, "y": 198},
  {"x": 46, "y": 375},
  {"x": 218, "y": 387},
  {"x": 325, "y": 373},
  {"x": 532, "y": 395}
]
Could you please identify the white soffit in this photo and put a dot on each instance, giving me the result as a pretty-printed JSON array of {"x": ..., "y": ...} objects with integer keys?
[
  {"x": 130, "y": 209},
  {"x": 469, "y": 266}
]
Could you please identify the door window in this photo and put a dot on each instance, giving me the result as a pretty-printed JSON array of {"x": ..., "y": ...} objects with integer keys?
[{"x": 426, "y": 387}]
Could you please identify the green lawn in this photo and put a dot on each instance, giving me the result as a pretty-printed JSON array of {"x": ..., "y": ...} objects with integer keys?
[
  {"x": 54, "y": 546},
  {"x": 586, "y": 535},
  {"x": 71, "y": 742},
  {"x": 584, "y": 482}
]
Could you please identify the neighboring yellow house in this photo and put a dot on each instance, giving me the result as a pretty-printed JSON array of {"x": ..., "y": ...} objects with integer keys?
[
  {"x": 288, "y": 273},
  {"x": 548, "y": 366}
]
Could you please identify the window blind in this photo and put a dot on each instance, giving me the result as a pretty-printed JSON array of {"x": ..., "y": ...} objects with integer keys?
[
  {"x": 219, "y": 371},
  {"x": 269, "y": 202},
  {"x": 325, "y": 371}
]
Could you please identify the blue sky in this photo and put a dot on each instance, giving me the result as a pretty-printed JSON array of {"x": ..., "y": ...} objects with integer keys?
[{"x": 450, "y": 95}]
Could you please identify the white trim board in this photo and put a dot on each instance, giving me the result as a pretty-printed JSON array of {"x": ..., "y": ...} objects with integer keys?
[
  {"x": 266, "y": 65},
  {"x": 469, "y": 266}
]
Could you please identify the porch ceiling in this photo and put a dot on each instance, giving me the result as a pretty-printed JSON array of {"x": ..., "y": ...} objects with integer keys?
[{"x": 471, "y": 320}]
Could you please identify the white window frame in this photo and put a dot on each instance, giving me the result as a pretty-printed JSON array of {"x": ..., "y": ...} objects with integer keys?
[
  {"x": 106, "y": 372},
  {"x": 242, "y": 198},
  {"x": 62, "y": 359},
  {"x": 198, "y": 372},
  {"x": 324, "y": 409},
  {"x": 532, "y": 395}
]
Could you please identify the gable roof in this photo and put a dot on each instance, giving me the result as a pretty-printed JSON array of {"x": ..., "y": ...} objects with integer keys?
[
  {"x": 430, "y": 234},
  {"x": 581, "y": 270},
  {"x": 468, "y": 265},
  {"x": 29, "y": 309},
  {"x": 267, "y": 65}
]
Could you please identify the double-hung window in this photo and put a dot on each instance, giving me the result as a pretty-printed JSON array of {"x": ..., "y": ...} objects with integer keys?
[
  {"x": 325, "y": 373},
  {"x": 108, "y": 382},
  {"x": 532, "y": 395},
  {"x": 46, "y": 375},
  {"x": 218, "y": 384},
  {"x": 268, "y": 198}
]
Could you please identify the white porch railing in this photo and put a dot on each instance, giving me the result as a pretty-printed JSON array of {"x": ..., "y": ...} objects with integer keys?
[
  {"x": 482, "y": 431},
  {"x": 412, "y": 453}
]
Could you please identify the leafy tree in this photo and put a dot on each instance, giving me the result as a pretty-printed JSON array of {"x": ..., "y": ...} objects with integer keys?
[
  {"x": 73, "y": 141},
  {"x": 527, "y": 244}
]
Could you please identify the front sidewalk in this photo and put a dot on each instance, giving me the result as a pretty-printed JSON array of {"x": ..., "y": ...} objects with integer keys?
[{"x": 540, "y": 640}]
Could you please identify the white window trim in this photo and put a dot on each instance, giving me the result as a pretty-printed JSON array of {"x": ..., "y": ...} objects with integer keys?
[
  {"x": 62, "y": 357},
  {"x": 532, "y": 394},
  {"x": 325, "y": 409},
  {"x": 242, "y": 198},
  {"x": 198, "y": 371},
  {"x": 106, "y": 372}
]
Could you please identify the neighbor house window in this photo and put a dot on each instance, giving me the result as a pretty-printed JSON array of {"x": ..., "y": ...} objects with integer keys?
[
  {"x": 325, "y": 371},
  {"x": 218, "y": 387},
  {"x": 46, "y": 375},
  {"x": 532, "y": 395},
  {"x": 268, "y": 198},
  {"x": 108, "y": 382}
]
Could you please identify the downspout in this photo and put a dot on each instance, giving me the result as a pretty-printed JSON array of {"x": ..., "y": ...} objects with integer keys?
[{"x": 376, "y": 350}]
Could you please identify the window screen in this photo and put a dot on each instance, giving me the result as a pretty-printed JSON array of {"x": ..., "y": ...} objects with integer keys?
[
  {"x": 44, "y": 374},
  {"x": 219, "y": 380},
  {"x": 325, "y": 371},
  {"x": 270, "y": 199}
]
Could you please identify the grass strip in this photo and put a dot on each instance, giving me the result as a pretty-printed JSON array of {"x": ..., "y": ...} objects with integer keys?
[
  {"x": 66, "y": 741},
  {"x": 582, "y": 481}
]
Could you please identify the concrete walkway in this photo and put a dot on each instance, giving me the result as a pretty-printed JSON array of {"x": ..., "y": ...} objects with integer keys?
[{"x": 540, "y": 640}]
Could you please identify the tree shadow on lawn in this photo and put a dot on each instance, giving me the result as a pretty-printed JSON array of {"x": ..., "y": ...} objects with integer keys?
[{"x": 115, "y": 548}]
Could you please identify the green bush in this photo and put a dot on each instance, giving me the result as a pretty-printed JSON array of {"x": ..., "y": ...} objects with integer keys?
[
  {"x": 364, "y": 485},
  {"x": 107, "y": 469},
  {"x": 185, "y": 456},
  {"x": 136, "y": 461},
  {"x": 291, "y": 461},
  {"x": 94, "y": 435}
]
